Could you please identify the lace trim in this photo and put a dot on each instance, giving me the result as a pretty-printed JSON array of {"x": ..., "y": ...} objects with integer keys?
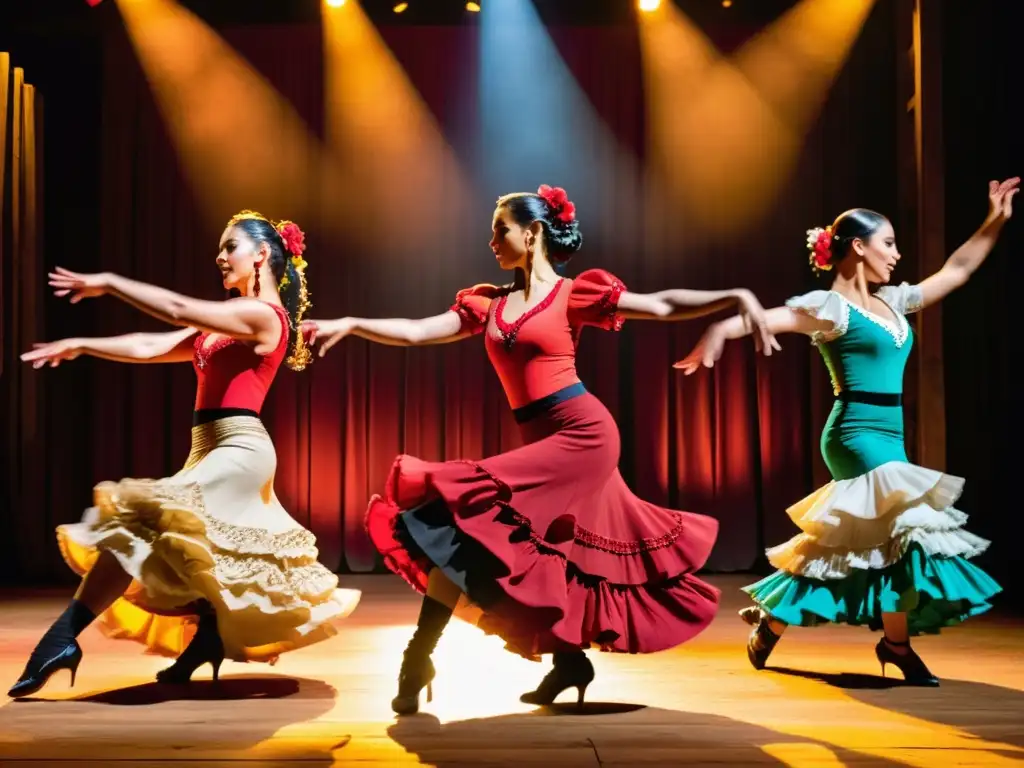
[
  {"x": 618, "y": 547},
  {"x": 298, "y": 584},
  {"x": 239, "y": 538},
  {"x": 232, "y": 538},
  {"x": 467, "y": 314},
  {"x": 608, "y": 307},
  {"x": 839, "y": 327},
  {"x": 914, "y": 299},
  {"x": 899, "y": 332},
  {"x": 202, "y": 355},
  {"x": 509, "y": 331}
]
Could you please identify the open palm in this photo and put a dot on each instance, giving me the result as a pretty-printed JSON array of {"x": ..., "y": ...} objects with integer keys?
[
  {"x": 52, "y": 353},
  {"x": 78, "y": 286}
]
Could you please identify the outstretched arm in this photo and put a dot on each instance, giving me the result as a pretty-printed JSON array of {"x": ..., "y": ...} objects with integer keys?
[
  {"x": 396, "y": 332},
  {"x": 966, "y": 259},
  {"x": 675, "y": 304},
  {"x": 777, "y": 320},
  {"x": 244, "y": 319},
  {"x": 683, "y": 304},
  {"x": 173, "y": 347}
]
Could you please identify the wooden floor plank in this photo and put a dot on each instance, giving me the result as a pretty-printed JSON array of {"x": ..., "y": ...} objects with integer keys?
[{"x": 822, "y": 703}]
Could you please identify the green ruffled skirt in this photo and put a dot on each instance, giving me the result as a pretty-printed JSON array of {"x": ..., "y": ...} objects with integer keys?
[{"x": 934, "y": 592}]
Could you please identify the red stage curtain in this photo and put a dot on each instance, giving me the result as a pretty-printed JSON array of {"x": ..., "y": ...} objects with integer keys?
[{"x": 739, "y": 444}]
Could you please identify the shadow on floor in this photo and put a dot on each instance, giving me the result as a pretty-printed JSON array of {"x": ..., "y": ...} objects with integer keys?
[{"x": 629, "y": 735}]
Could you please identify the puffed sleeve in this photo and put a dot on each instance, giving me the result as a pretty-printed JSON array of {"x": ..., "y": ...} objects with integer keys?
[
  {"x": 903, "y": 298},
  {"x": 824, "y": 305},
  {"x": 473, "y": 304},
  {"x": 595, "y": 300}
]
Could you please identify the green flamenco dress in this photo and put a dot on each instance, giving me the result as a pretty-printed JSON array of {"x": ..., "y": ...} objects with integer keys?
[{"x": 883, "y": 536}]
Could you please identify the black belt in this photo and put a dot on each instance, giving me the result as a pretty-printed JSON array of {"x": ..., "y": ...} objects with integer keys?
[
  {"x": 206, "y": 415},
  {"x": 537, "y": 407},
  {"x": 871, "y": 398}
]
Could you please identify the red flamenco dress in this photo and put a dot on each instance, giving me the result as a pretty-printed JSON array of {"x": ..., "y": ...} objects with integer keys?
[{"x": 547, "y": 539}]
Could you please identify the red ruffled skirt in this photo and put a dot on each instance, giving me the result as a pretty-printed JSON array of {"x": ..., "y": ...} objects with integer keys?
[{"x": 549, "y": 542}]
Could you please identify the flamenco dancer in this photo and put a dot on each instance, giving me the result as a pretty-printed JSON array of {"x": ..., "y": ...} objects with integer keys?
[
  {"x": 546, "y": 539},
  {"x": 881, "y": 544},
  {"x": 211, "y": 546}
]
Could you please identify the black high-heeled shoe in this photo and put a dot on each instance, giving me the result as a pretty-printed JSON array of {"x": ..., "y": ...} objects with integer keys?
[
  {"x": 762, "y": 640},
  {"x": 571, "y": 670},
  {"x": 41, "y": 668},
  {"x": 416, "y": 674},
  {"x": 914, "y": 670},
  {"x": 206, "y": 648}
]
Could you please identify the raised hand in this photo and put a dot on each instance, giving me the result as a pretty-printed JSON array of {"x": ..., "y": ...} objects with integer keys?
[
  {"x": 78, "y": 286},
  {"x": 52, "y": 353},
  {"x": 1000, "y": 198}
]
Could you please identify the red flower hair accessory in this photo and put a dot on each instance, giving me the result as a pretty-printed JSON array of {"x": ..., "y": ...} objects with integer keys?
[
  {"x": 559, "y": 201},
  {"x": 294, "y": 245},
  {"x": 819, "y": 243},
  {"x": 294, "y": 238}
]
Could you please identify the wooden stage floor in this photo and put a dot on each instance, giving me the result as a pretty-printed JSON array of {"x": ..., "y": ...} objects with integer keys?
[{"x": 822, "y": 703}]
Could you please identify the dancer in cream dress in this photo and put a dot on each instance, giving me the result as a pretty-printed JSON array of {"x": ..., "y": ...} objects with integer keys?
[{"x": 207, "y": 563}]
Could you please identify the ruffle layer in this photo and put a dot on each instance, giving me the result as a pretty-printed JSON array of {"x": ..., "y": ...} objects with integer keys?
[
  {"x": 565, "y": 587},
  {"x": 934, "y": 592},
  {"x": 269, "y": 591},
  {"x": 870, "y": 521}
]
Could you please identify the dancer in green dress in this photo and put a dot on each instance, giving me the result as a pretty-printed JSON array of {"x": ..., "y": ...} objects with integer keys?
[{"x": 881, "y": 545}]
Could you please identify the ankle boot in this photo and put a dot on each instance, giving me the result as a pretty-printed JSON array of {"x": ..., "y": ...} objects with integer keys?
[
  {"x": 417, "y": 670},
  {"x": 762, "y": 640},
  {"x": 57, "y": 649},
  {"x": 914, "y": 670},
  {"x": 206, "y": 648},
  {"x": 571, "y": 669}
]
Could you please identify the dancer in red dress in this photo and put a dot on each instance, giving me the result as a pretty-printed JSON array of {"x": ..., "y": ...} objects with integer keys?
[{"x": 546, "y": 539}]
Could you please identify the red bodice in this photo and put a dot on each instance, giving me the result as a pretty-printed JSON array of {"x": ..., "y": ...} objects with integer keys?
[
  {"x": 231, "y": 375},
  {"x": 535, "y": 354}
]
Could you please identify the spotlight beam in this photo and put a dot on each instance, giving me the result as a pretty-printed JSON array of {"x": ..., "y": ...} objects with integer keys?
[{"x": 726, "y": 133}]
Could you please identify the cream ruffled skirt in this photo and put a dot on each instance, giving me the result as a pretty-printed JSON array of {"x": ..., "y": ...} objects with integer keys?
[
  {"x": 216, "y": 532},
  {"x": 887, "y": 541}
]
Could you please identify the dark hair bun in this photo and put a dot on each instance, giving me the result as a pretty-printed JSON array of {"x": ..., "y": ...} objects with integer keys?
[
  {"x": 563, "y": 239},
  {"x": 555, "y": 212}
]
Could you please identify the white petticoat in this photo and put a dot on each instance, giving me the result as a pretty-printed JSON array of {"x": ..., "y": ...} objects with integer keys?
[{"x": 867, "y": 522}]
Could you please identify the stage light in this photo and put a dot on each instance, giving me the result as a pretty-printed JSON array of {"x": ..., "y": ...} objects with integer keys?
[
  {"x": 648, "y": 5},
  {"x": 473, "y": 7},
  {"x": 93, "y": 3},
  {"x": 400, "y": 7},
  {"x": 335, "y": 3},
  {"x": 727, "y": 3}
]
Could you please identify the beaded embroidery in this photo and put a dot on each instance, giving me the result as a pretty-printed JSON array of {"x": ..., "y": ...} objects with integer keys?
[
  {"x": 509, "y": 331},
  {"x": 201, "y": 355}
]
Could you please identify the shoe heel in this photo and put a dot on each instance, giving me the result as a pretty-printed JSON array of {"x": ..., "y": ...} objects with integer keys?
[
  {"x": 581, "y": 692},
  {"x": 883, "y": 669},
  {"x": 430, "y": 691},
  {"x": 751, "y": 615},
  {"x": 216, "y": 669},
  {"x": 74, "y": 674}
]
